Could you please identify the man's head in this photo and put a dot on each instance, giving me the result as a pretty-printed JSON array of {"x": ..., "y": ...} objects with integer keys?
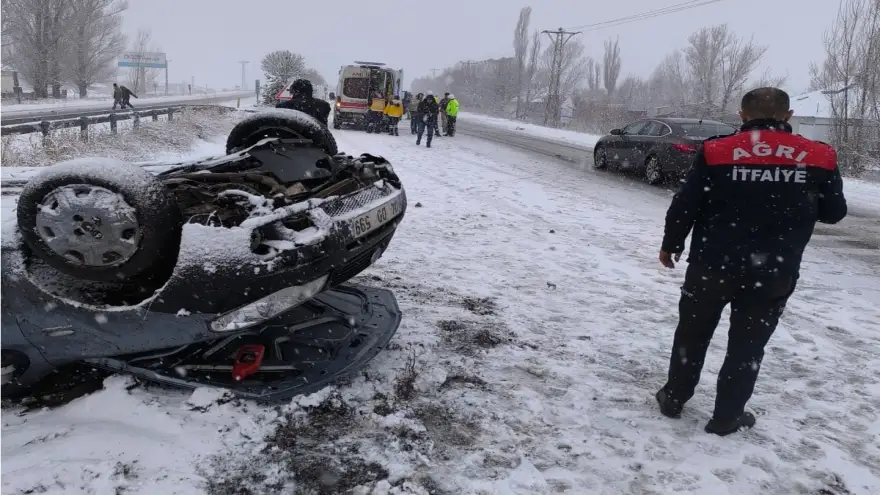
[
  {"x": 429, "y": 93},
  {"x": 302, "y": 87},
  {"x": 446, "y": 95},
  {"x": 115, "y": 85},
  {"x": 765, "y": 103}
]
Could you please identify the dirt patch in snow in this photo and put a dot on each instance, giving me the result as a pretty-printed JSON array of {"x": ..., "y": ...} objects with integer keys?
[
  {"x": 308, "y": 452},
  {"x": 482, "y": 306},
  {"x": 475, "y": 336},
  {"x": 132, "y": 145}
]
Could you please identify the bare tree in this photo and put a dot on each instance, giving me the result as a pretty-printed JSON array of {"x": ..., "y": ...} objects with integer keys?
[
  {"x": 313, "y": 76},
  {"x": 738, "y": 60},
  {"x": 35, "y": 29},
  {"x": 850, "y": 76},
  {"x": 141, "y": 78},
  {"x": 768, "y": 79},
  {"x": 629, "y": 87},
  {"x": 520, "y": 47},
  {"x": 94, "y": 41},
  {"x": 533, "y": 67},
  {"x": 671, "y": 84},
  {"x": 572, "y": 66},
  {"x": 611, "y": 64},
  {"x": 704, "y": 55},
  {"x": 593, "y": 73},
  {"x": 279, "y": 67}
]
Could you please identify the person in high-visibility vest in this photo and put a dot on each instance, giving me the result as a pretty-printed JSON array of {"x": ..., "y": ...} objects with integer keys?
[
  {"x": 451, "y": 114},
  {"x": 376, "y": 113},
  {"x": 393, "y": 113}
]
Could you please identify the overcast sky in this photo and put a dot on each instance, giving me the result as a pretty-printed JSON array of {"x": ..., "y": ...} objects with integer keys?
[{"x": 205, "y": 38}]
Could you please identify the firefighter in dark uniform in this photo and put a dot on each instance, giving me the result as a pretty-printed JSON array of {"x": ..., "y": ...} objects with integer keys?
[
  {"x": 752, "y": 200},
  {"x": 302, "y": 99}
]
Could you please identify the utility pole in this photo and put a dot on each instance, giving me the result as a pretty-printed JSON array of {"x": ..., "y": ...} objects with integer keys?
[
  {"x": 434, "y": 72},
  {"x": 166, "y": 76},
  {"x": 559, "y": 37},
  {"x": 243, "y": 79}
]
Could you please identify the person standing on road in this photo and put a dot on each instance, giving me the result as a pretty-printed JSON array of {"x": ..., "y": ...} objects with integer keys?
[
  {"x": 752, "y": 200},
  {"x": 442, "y": 122},
  {"x": 414, "y": 113},
  {"x": 427, "y": 111},
  {"x": 393, "y": 113},
  {"x": 451, "y": 115},
  {"x": 302, "y": 98}
]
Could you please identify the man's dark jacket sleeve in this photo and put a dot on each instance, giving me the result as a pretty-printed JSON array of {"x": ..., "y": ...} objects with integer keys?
[
  {"x": 682, "y": 213},
  {"x": 832, "y": 203}
]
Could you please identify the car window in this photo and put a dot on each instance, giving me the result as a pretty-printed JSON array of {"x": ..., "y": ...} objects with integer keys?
[
  {"x": 356, "y": 87},
  {"x": 635, "y": 127},
  {"x": 653, "y": 128},
  {"x": 706, "y": 129},
  {"x": 664, "y": 129}
]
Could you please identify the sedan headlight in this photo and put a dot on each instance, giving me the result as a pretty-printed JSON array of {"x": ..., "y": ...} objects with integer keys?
[{"x": 268, "y": 307}]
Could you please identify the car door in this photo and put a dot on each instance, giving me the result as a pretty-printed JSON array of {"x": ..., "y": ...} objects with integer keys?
[
  {"x": 620, "y": 151},
  {"x": 645, "y": 141}
]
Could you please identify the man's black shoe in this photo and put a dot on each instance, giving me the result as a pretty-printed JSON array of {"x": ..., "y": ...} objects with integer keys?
[
  {"x": 669, "y": 407},
  {"x": 724, "y": 428}
]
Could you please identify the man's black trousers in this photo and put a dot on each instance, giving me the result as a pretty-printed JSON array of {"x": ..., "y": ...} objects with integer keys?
[{"x": 756, "y": 302}]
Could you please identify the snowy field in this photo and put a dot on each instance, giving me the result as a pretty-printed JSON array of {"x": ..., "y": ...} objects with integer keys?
[
  {"x": 537, "y": 325},
  {"x": 107, "y": 102}
]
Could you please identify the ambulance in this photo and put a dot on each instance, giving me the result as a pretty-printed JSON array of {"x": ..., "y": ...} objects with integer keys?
[{"x": 358, "y": 84}]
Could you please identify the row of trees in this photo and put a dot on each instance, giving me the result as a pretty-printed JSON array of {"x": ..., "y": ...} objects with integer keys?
[
  {"x": 704, "y": 77},
  {"x": 707, "y": 77},
  {"x": 279, "y": 68},
  {"x": 850, "y": 77},
  {"x": 55, "y": 42}
]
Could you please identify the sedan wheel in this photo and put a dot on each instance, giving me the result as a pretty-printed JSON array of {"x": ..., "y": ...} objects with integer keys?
[
  {"x": 600, "y": 159},
  {"x": 653, "y": 171}
]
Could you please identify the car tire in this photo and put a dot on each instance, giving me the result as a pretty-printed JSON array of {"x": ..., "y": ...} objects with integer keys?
[
  {"x": 102, "y": 220},
  {"x": 654, "y": 174},
  {"x": 598, "y": 153},
  {"x": 280, "y": 122}
]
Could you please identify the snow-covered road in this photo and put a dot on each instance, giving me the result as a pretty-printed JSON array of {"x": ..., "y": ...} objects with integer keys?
[{"x": 539, "y": 322}]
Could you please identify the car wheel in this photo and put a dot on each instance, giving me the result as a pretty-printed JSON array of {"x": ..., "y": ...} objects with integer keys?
[
  {"x": 280, "y": 123},
  {"x": 337, "y": 124},
  {"x": 653, "y": 170},
  {"x": 100, "y": 219},
  {"x": 600, "y": 158}
]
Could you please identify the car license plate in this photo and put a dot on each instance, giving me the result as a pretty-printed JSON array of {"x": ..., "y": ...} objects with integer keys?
[{"x": 375, "y": 218}]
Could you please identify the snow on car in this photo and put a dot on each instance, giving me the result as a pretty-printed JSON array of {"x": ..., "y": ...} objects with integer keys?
[
  {"x": 205, "y": 266},
  {"x": 537, "y": 327}
]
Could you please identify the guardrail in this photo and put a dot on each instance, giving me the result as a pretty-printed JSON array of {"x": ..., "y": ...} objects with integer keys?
[
  {"x": 89, "y": 118},
  {"x": 46, "y": 126}
]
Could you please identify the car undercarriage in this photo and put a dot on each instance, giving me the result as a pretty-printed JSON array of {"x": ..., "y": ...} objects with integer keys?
[{"x": 228, "y": 272}]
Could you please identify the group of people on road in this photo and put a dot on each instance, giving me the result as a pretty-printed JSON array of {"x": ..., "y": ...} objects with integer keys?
[
  {"x": 426, "y": 113},
  {"x": 122, "y": 96}
]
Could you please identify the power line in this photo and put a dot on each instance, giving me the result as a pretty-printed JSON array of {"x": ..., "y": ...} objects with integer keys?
[
  {"x": 434, "y": 72},
  {"x": 650, "y": 14}
]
